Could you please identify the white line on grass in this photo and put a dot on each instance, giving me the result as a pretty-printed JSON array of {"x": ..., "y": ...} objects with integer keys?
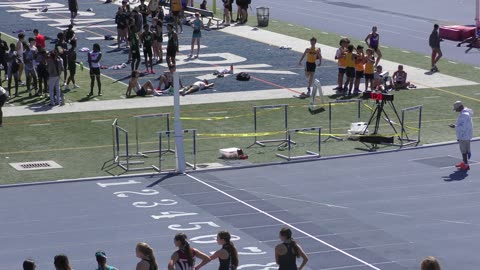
[
  {"x": 405, "y": 51},
  {"x": 218, "y": 112},
  {"x": 38, "y": 125},
  {"x": 308, "y": 29},
  {"x": 451, "y": 62},
  {"x": 325, "y": 33},
  {"x": 101, "y": 120},
  {"x": 285, "y": 223},
  {"x": 426, "y": 56},
  {"x": 385, "y": 47},
  {"x": 477, "y": 67},
  {"x": 432, "y": 97},
  {"x": 290, "y": 24}
]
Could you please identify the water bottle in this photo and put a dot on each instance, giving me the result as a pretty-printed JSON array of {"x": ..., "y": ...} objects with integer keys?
[{"x": 81, "y": 66}]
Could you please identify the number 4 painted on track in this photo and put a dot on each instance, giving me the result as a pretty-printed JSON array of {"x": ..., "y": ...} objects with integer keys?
[{"x": 172, "y": 214}]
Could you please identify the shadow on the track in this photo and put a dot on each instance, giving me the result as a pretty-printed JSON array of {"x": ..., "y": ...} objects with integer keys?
[{"x": 457, "y": 175}]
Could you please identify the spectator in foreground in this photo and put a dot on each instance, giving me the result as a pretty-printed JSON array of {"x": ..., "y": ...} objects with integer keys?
[
  {"x": 3, "y": 98},
  {"x": 197, "y": 25},
  {"x": 73, "y": 7},
  {"x": 313, "y": 55},
  {"x": 184, "y": 257},
  {"x": 13, "y": 67},
  {"x": 29, "y": 265},
  {"x": 101, "y": 258},
  {"x": 72, "y": 65},
  {"x": 39, "y": 39},
  {"x": 288, "y": 251},
  {"x": 94, "y": 58},
  {"x": 3, "y": 56},
  {"x": 464, "y": 131},
  {"x": 55, "y": 69},
  {"x": 369, "y": 69},
  {"x": 430, "y": 263},
  {"x": 147, "y": 259},
  {"x": 373, "y": 42},
  {"x": 434, "y": 42},
  {"x": 61, "y": 262}
]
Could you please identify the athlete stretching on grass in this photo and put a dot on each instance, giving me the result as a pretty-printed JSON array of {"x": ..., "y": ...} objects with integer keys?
[
  {"x": 373, "y": 42},
  {"x": 313, "y": 54}
]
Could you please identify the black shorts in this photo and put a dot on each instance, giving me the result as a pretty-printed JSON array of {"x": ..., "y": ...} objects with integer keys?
[
  {"x": 310, "y": 67},
  {"x": 136, "y": 54},
  {"x": 95, "y": 71},
  {"x": 3, "y": 98},
  {"x": 172, "y": 51},
  {"x": 350, "y": 71},
  {"x": 147, "y": 52},
  {"x": 72, "y": 68},
  {"x": 175, "y": 13},
  {"x": 374, "y": 48},
  {"x": 359, "y": 74},
  {"x": 142, "y": 92},
  {"x": 159, "y": 38},
  {"x": 341, "y": 70},
  {"x": 368, "y": 76}
]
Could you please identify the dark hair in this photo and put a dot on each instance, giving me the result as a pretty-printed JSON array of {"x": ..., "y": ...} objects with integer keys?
[
  {"x": 435, "y": 26},
  {"x": 430, "y": 263},
  {"x": 60, "y": 35},
  {"x": 12, "y": 46},
  {"x": 96, "y": 46},
  {"x": 379, "y": 67},
  {"x": 229, "y": 246},
  {"x": 101, "y": 259},
  {"x": 35, "y": 31},
  {"x": 359, "y": 47},
  {"x": 313, "y": 39},
  {"x": 147, "y": 251},
  {"x": 350, "y": 48},
  {"x": 30, "y": 39},
  {"x": 28, "y": 264},
  {"x": 61, "y": 262},
  {"x": 185, "y": 247},
  {"x": 21, "y": 35},
  {"x": 287, "y": 233}
]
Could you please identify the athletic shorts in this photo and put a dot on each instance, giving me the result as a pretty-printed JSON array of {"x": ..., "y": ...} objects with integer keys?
[
  {"x": 369, "y": 76},
  {"x": 399, "y": 82},
  {"x": 341, "y": 70},
  {"x": 136, "y": 54},
  {"x": 142, "y": 92},
  {"x": 159, "y": 38},
  {"x": 95, "y": 71},
  {"x": 171, "y": 51},
  {"x": 350, "y": 71},
  {"x": 310, "y": 67},
  {"x": 72, "y": 68},
  {"x": 147, "y": 51},
  {"x": 359, "y": 74},
  {"x": 464, "y": 146},
  {"x": 374, "y": 48},
  {"x": 175, "y": 13}
]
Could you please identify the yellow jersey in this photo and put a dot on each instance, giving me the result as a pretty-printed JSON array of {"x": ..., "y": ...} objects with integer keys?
[
  {"x": 342, "y": 61},
  {"x": 349, "y": 61},
  {"x": 359, "y": 62},
  {"x": 369, "y": 69},
  {"x": 312, "y": 55},
  {"x": 176, "y": 5}
]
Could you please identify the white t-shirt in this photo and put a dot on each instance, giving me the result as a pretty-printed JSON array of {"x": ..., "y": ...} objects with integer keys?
[
  {"x": 2, "y": 91},
  {"x": 94, "y": 56},
  {"x": 464, "y": 125},
  {"x": 200, "y": 84}
]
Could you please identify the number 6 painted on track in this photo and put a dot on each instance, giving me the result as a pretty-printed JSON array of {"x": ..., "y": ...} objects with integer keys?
[{"x": 197, "y": 226}]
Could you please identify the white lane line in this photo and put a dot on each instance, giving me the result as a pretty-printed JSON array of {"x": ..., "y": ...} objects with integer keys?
[
  {"x": 285, "y": 223},
  {"x": 101, "y": 120},
  {"x": 221, "y": 112},
  {"x": 451, "y": 62},
  {"x": 385, "y": 47},
  {"x": 290, "y": 24},
  {"x": 405, "y": 51},
  {"x": 432, "y": 97},
  {"x": 456, "y": 222},
  {"x": 39, "y": 125},
  {"x": 326, "y": 33},
  {"x": 96, "y": 99},
  {"x": 477, "y": 67},
  {"x": 393, "y": 214},
  {"x": 306, "y": 28},
  {"x": 426, "y": 56}
]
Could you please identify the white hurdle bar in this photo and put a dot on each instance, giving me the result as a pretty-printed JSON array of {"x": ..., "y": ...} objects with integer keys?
[{"x": 310, "y": 154}]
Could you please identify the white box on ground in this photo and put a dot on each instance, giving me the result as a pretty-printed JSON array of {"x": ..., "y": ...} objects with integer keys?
[
  {"x": 358, "y": 128},
  {"x": 229, "y": 153}
]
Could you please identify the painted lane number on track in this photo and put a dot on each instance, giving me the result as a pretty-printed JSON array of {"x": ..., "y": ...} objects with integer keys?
[
  {"x": 144, "y": 192},
  {"x": 197, "y": 226},
  {"x": 163, "y": 202},
  {"x": 211, "y": 238},
  {"x": 172, "y": 214}
]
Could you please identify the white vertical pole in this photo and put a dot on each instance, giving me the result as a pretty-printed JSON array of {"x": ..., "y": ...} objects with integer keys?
[
  {"x": 477, "y": 13},
  {"x": 177, "y": 125}
]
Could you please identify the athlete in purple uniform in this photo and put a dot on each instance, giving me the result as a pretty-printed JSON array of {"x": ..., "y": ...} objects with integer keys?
[{"x": 373, "y": 42}]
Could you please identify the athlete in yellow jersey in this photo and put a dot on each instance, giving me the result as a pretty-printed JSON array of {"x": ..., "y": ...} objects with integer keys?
[
  {"x": 313, "y": 54},
  {"x": 176, "y": 8},
  {"x": 359, "y": 68},
  {"x": 340, "y": 57},
  {"x": 369, "y": 68},
  {"x": 350, "y": 69}
]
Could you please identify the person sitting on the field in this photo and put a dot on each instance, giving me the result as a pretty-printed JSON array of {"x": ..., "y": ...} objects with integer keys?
[
  {"x": 400, "y": 79},
  {"x": 140, "y": 90},
  {"x": 381, "y": 80},
  {"x": 167, "y": 79},
  {"x": 196, "y": 86}
]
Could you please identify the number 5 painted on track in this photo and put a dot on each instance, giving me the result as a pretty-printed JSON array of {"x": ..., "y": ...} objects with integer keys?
[
  {"x": 197, "y": 226},
  {"x": 172, "y": 214},
  {"x": 154, "y": 204}
]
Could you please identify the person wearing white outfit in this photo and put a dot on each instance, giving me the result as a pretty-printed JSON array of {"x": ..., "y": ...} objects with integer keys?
[
  {"x": 55, "y": 69},
  {"x": 464, "y": 130}
]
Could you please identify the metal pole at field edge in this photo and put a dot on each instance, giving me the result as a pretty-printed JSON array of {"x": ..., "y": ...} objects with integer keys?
[
  {"x": 177, "y": 125},
  {"x": 214, "y": 6}
]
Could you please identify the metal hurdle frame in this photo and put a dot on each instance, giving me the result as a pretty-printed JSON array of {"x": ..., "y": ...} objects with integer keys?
[
  {"x": 330, "y": 136},
  {"x": 310, "y": 154},
  {"x": 118, "y": 155},
  {"x": 169, "y": 133},
  {"x": 255, "y": 125},
  {"x": 137, "y": 139},
  {"x": 404, "y": 139}
]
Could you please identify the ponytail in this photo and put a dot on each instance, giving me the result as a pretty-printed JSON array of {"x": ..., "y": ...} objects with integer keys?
[
  {"x": 230, "y": 247},
  {"x": 147, "y": 251},
  {"x": 287, "y": 234},
  {"x": 185, "y": 247}
]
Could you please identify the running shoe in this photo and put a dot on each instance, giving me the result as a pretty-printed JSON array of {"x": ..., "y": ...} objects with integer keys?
[
  {"x": 464, "y": 167},
  {"x": 153, "y": 71},
  {"x": 459, "y": 165}
]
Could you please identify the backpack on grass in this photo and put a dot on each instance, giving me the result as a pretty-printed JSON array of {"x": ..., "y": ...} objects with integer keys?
[{"x": 242, "y": 76}]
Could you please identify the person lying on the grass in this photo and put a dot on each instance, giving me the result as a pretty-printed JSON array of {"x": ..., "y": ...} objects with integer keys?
[
  {"x": 196, "y": 86},
  {"x": 400, "y": 79},
  {"x": 167, "y": 79},
  {"x": 140, "y": 90}
]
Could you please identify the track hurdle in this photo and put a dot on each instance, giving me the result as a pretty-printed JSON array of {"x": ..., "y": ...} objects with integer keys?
[
  {"x": 309, "y": 154},
  {"x": 404, "y": 139},
  {"x": 168, "y": 134},
  {"x": 122, "y": 156},
  {"x": 138, "y": 119},
  {"x": 333, "y": 103},
  {"x": 285, "y": 124}
]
